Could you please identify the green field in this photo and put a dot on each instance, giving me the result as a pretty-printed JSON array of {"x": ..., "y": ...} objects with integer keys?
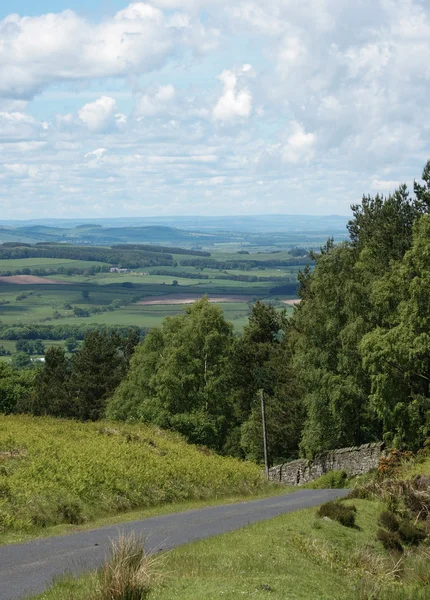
[
  {"x": 46, "y": 263},
  {"x": 112, "y": 299}
]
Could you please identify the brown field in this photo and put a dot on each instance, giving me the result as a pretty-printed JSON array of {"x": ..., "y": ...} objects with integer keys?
[
  {"x": 292, "y": 302},
  {"x": 29, "y": 280},
  {"x": 189, "y": 299}
]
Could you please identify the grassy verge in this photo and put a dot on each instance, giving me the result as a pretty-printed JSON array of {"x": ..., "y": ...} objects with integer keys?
[
  {"x": 293, "y": 557},
  {"x": 266, "y": 491}
]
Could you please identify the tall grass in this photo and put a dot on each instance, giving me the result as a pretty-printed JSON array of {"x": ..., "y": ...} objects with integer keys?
[
  {"x": 130, "y": 574},
  {"x": 56, "y": 471}
]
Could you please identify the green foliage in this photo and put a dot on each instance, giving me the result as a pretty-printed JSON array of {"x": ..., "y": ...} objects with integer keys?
[
  {"x": 261, "y": 360},
  {"x": 389, "y": 520},
  {"x": 97, "y": 369},
  {"x": 62, "y": 471},
  {"x": 53, "y": 394},
  {"x": 345, "y": 515},
  {"x": 361, "y": 345},
  {"x": 330, "y": 480},
  {"x": 16, "y": 388},
  {"x": 390, "y": 540},
  {"x": 30, "y": 346},
  {"x": 177, "y": 376},
  {"x": 410, "y": 534}
]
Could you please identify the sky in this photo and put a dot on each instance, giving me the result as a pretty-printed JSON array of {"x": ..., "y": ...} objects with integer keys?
[{"x": 209, "y": 107}]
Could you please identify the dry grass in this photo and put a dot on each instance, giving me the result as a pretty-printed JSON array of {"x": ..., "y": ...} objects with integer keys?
[{"x": 130, "y": 573}]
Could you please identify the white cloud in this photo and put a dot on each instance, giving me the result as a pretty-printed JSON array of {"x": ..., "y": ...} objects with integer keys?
[
  {"x": 101, "y": 115},
  {"x": 52, "y": 48},
  {"x": 300, "y": 146},
  {"x": 384, "y": 186},
  {"x": 160, "y": 102},
  {"x": 15, "y": 126},
  {"x": 234, "y": 102},
  {"x": 96, "y": 154},
  {"x": 339, "y": 106}
]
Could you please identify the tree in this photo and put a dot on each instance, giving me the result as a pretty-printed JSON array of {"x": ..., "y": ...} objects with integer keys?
[
  {"x": 97, "y": 369},
  {"x": 261, "y": 360},
  {"x": 85, "y": 294},
  {"x": 21, "y": 360},
  {"x": 15, "y": 388},
  {"x": 350, "y": 305},
  {"x": 52, "y": 386},
  {"x": 397, "y": 354},
  {"x": 71, "y": 344},
  {"x": 177, "y": 376}
]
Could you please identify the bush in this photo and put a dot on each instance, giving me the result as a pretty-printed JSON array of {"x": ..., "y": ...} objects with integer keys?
[
  {"x": 345, "y": 515},
  {"x": 331, "y": 480},
  {"x": 389, "y": 520},
  {"x": 411, "y": 535},
  {"x": 130, "y": 574},
  {"x": 390, "y": 540}
]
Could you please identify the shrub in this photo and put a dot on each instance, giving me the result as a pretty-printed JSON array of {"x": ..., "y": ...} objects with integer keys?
[
  {"x": 331, "y": 480},
  {"x": 390, "y": 540},
  {"x": 410, "y": 534},
  {"x": 389, "y": 465},
  {"x": 130, "y": 574},
  {"x": 389, "y": 520},
  {"x": 345, "y": 515}
]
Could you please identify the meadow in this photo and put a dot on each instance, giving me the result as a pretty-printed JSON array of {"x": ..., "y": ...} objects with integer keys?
[{"x": 55, "y": 471}]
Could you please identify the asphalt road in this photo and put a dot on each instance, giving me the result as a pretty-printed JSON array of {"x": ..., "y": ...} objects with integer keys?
[{"x": 30, "y": 568}]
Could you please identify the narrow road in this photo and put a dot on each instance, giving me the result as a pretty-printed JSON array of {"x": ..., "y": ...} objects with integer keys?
[{"x": 30, "y": 568}]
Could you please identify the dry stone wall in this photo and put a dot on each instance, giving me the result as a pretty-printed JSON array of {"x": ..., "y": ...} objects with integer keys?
[{"x": 354, "y": 461}]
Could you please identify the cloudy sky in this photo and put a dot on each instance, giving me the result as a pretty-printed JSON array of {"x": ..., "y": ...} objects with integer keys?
[{"x": 209, "y": 107}]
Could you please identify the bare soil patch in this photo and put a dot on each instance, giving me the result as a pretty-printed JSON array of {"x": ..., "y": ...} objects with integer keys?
[
  {"x": 30, "y": 280},
  {"x": 189, "y": 299},
  {"x": 293, "y": 302}
]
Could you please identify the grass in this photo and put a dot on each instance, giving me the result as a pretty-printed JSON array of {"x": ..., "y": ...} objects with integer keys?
[
  {"x": 292, "y": 557},
  {"x": 297, "y": 556},
  {"x": 58, "y": 472}
]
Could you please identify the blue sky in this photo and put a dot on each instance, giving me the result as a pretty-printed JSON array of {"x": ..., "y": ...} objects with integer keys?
[{"x": 111, "y": 108}]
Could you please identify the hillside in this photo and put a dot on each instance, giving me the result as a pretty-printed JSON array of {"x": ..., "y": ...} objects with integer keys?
[{"x": 56, "y": 471}]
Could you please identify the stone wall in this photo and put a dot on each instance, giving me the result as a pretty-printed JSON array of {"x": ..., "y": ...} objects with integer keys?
[{"x": 354, "y": 461}]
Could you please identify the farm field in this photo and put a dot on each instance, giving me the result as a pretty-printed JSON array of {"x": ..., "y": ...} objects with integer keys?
[
  {"x": 157, "y": 282},
  {"x": 45, "y": 263}
]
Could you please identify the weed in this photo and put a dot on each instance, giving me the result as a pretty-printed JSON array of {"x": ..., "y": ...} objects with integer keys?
[
  {"x": 130, "y": 574},
  {"x": 71, "y": 472},
  {"x": 389, "y": 520},
  {"x": 390, "y": 540},
  {"x": 345, "y": 515},
  {"x": 410, "y": 534}
]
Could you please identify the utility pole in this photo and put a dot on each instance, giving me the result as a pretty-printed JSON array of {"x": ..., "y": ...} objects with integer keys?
[{"x": 263, "y": 418}]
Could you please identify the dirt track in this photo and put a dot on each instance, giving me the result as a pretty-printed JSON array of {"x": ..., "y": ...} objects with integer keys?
[
  {"x": 188, "y": 299},
  {"x": 29, "y": 280}
]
